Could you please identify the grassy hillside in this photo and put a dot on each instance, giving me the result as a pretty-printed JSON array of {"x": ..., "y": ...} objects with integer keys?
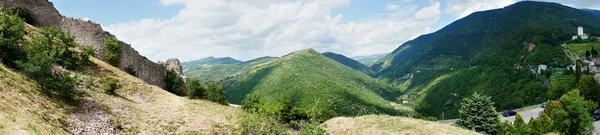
[
  {"x": 369, "y": 60},
  {"x": 349, "y": 62},
  {"x": 388, "y": 125},
  {"x": 207, "y": 62},
  {"x": 496, "y": 46},
  {"x": 215, "y": 72},
  {"x": 24, "y": 109},
  {"x": 313, "y": 81}
]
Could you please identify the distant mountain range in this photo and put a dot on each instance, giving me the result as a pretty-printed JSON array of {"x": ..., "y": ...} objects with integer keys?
[{"x": 370, "y": 59}]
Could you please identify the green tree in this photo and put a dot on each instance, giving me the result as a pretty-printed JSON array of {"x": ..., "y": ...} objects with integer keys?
[
  {"x": 535, "y": 126},
  {"x": 574, "y": 116},
  {"x": 546, "y": 122},
  {"x": 215, "y": 93},
  {"x": 477, "y": 113},
  {"x": 589, "y": 88},
  {"x": 113, "y": 51},
  {"x": 561, "y": 86},
  {"x": 195, "y": 89},
  {"x": 520, "y": 127},
  {"x": 594, "y": 52},
  {"x": 173, "y": 83},
  {"x": 12, "y": 29},
  {"x": 587, "y": 54},
  {"x": 507, "y": 128}
]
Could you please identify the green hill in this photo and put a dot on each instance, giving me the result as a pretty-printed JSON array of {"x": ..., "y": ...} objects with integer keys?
[
  {"x": 489, "y": 52},
  {"x": 220, "y": 69},
  {"x": 370, "y": 59},
  {"x": 349, "y": 62},
  {"x": 207, "y": 62},
  {"x": 313, "y": 81}
]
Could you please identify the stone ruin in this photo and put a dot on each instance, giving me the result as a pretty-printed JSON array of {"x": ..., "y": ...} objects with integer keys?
[{"x": 88, "y": 33}]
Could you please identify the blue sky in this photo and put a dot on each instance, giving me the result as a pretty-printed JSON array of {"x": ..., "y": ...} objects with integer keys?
[{"x": 247, "y": 29}]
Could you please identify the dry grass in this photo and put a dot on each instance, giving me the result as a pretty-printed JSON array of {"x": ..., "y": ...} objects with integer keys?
[
  {"x": 24, "y": 110},
  {"x": 144, "y": 108},
  {"x": 382, "y": 125}
]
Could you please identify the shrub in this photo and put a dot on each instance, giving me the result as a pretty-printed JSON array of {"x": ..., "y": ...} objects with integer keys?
[
  {"x": 113, "y": 51},
  {"x": 195, "y": 89},
  {"x": 110, "y": 85},
  {"x": 307, "y": 128},
  {"x": 281, "y": 109},
  {"x": 477, "y": 113},
  {"x": 60, "y": 45},
  {"x": 131, "y": 71},
  {"x": 173, "y": 83},
  {"x": 215, "y": 93},
  {"x": 13, "y": 29}
]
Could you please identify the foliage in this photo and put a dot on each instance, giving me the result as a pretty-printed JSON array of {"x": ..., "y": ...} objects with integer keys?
[
  {"x": 131, "y": 71},
  {"x": 173, "y": 83},
  {"x": 12, "y": 29},
  {"x": 589, "y": 88},
  {"x": 307, "y": 128},
  {"x": 281, "y": 109},
  {"x": 571, "y": 114},
  {"x": 315, "y": 83},
  {"x": 255, "y": 124},
  {"x": 62, "y": 45},
  {"x": 546, "y": 122},
  {"x": 215, "y": 93},
  {"x": 110, "y": 85},
  {"x": 477, "y": 113},
  {"x": 195, "y": 89},
  {"x": 507, "y": 127},
  {"x": 561, "y": 86},
  {"x": 520, "y": 127},
  {"x": 113, "y": 51},
  {"x": 535, "y": 126}
]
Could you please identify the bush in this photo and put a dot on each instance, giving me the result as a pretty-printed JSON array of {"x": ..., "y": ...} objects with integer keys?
[
  {"x": 195, "y": 89},
  {"x": 477, "y": 113},
  {"x": 131, "y": 71},
  {"x": 13, "y": 29},
  {"x": 173, "y": 83},
  {"x": 110, "y": 85},
  {"x": 281, "y": 109},
  {"x": 61, "y": 44},
  {"x": 113, "y": 51},
  {"x": 589, "y": 88},
  {"x": 215, "y": 93}
]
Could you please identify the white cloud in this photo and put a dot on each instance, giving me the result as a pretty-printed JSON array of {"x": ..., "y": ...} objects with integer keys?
[
  {"x": 247, "y": 29},
  {"x": 462, "y": 8}
]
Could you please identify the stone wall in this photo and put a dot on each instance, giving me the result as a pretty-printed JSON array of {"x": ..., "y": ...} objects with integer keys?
[{"x": 88, "y": 33}]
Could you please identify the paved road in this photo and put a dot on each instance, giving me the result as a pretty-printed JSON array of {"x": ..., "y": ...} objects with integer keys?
[{"x": 534, "y": 112}]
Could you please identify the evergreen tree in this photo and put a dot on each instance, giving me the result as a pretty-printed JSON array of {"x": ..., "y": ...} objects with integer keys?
[
  {"x": 520, "y": 127},
  {"x": 546, "y": 122},
  {"x": 477, "y": 113},
  {"x": 113, "y": 51},
  {"x": 594, "y": 52},
  {"x": 535, "y": 126},
  {"x": 507, "y": 128},
  {"x": 587, "y": 54}
]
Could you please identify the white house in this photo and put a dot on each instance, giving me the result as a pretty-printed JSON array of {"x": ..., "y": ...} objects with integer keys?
[{"x": 580, "y": 34}]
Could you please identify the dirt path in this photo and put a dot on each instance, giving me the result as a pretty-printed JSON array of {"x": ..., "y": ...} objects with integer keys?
[{"x": 90, "y": 120}]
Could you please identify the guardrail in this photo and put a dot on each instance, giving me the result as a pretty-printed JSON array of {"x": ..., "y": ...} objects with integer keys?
[{"x": 499, "y": 113}]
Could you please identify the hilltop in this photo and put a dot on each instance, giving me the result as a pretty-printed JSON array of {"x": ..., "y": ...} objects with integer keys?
[
  {"x": 313, "y": 81},
  {"x": 490, "y": 52}
]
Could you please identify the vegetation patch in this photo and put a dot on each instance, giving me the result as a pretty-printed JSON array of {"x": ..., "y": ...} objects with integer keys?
[{"x": 113, "y": 51}]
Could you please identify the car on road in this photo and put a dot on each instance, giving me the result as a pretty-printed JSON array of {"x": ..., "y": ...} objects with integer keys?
[
  {"x": 544, "y": 104},
  {"x": 509, "y": 113},
  {"x": 596, "y": 114}
]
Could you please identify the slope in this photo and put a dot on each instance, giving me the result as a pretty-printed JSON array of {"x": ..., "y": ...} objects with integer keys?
[
  {"x": 207, "y": 62},
  {"x": 349, "y": 62},
  {"x": 137, "y": 107},
  {"x": 216, "y": 72},
  {"x": 489, "y": 52},
  {"x": 388, "y": 125},
  {"x": 370, "y": 59},
  {"x": 313, "y": 81}
]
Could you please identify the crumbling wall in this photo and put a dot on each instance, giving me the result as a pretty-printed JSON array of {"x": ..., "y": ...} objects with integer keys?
[{"x": 88, "y": 33}]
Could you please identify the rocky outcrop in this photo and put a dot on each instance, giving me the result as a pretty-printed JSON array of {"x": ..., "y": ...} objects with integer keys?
[
  {"x": 88, "y": 33},
  {"x": 175, "y": 65}
]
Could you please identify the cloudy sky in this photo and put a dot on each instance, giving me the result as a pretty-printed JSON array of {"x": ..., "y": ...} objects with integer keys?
[{"x": 247, "y": 29}]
